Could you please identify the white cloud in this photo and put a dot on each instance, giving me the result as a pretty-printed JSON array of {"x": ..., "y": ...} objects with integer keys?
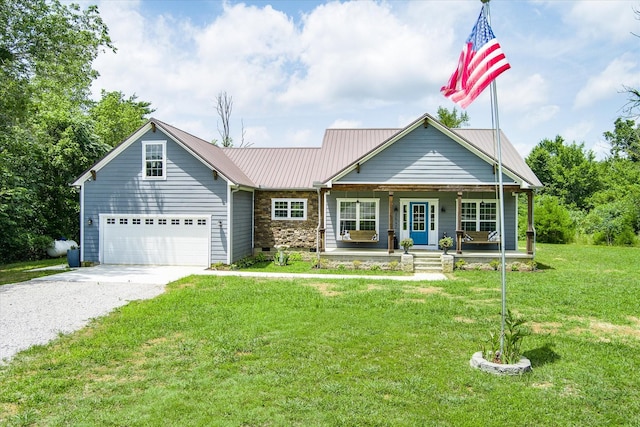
[
  {"x": 345, "y": 124},
  {"x": 361, "y": 53},
  {"x": 577, "y": 131},
  {"x": 621, "y": 71},
  {"x": 522, "y": 93},
  {"x": 537, "y": 116},
  {"x": 603, "y": 19}
]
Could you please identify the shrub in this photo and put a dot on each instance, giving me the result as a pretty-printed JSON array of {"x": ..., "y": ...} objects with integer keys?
[
  {"x": 295, "y": 256},
  {"x": 375, "y": 267},
  {"x": 553, "y": 221},
  {"x": 357, "y": 264},
  {"x": 260, "y": 257},
  {"x": 495, "y": 264},
  {"x": 393, "y": 265},
  {"x": 459, "y": 265}
]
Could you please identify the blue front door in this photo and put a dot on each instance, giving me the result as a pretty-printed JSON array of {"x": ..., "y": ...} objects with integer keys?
[{"x": 418, "y": 218}]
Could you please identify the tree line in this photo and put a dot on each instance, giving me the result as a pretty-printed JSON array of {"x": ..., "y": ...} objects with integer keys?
[
  {"x": 589, "y": 200},
  {"x": 50, "y": 129}
]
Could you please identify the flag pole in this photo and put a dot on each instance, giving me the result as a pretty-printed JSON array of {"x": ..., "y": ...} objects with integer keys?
[{"x": 503, "y": 257}]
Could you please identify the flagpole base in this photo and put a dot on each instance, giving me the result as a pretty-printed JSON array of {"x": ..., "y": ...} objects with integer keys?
[{"x": 478, "y": 362}]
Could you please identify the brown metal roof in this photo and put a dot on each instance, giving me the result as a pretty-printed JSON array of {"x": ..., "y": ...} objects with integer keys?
[
  {"x": 212, "y": 155},
  {"x": 275, "y": 168}
]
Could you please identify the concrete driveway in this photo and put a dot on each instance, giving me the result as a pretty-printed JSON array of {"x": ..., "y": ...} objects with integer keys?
[{"x": 37, "y": 311}]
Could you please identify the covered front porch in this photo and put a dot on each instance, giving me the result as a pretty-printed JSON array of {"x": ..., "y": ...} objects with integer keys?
[{"x": 370, "y": 220}]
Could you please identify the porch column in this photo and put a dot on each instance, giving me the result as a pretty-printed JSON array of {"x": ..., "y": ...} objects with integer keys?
[
  {"x": 530, "y": 229},
  {"x": 321, "y": 230},
  {"x": 390, "y": 231},
  {"x": 459, "y": 231}
]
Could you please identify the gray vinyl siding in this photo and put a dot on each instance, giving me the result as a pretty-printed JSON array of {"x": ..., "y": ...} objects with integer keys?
[
  {"x": 425, "y": 156},
  {"x": 189, "y": 189},
  {"x": 242, "y": 225}
]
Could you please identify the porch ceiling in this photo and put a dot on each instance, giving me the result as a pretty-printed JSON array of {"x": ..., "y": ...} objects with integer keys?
[{"x": 424, "y": 187}]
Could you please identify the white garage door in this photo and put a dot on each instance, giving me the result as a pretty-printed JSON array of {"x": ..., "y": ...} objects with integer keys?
[{"x": 155, "y": 240}]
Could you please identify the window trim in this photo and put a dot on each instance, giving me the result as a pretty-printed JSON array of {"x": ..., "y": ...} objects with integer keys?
[
  {"x": 376, "y": 201},
  {"x": 288, "y": 217},
  {"x": 477, "y": 219},
  {"x": 146, "y": 177}
]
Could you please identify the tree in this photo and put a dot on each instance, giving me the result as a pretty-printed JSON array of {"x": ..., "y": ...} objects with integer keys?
[
  {"x": 552, "y": 221},
  {"x": 567, "y": 171},
  {"x": 46, "y": 51},
  {"x": 224, "y": 106},
  {"x": 451, "y": 119},
  {"x": 625, "y": 139},
  {"x": 116, "y": 118}
]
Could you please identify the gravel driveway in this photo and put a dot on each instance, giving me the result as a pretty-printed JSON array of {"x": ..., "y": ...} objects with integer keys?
[{"x": 35, "y": 312}]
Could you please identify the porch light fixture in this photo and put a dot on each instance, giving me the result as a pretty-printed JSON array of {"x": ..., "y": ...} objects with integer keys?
[
  {"x": 220, "y": 223},
  {"x": 443, "y": 209},
  {"x": 215, "y": 174},
  {"x": 90, "y": 221}
]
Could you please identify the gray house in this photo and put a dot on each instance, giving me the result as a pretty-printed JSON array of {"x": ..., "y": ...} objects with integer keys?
[{"x": 164, "y": 196}]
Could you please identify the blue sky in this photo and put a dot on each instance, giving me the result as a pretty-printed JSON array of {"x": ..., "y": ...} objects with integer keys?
[{"x": 295, "y": 68}]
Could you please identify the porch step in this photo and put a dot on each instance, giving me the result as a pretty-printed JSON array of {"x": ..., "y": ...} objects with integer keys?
[{"x": 427, "y": 262}]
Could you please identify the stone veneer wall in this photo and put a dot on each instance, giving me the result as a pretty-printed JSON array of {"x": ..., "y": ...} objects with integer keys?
[{"x": 296, "y": 234}]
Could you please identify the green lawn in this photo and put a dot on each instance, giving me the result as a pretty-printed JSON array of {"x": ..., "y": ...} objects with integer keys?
[
  {"x": 239, "y": 351},
  {"x": 21, "y": 271}
]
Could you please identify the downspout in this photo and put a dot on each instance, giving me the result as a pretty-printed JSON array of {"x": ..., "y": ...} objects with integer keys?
[
  {"x": 318, "y": 228},
  {"x": 81, "y": 223},
  {"x": 231, "y": 190}
]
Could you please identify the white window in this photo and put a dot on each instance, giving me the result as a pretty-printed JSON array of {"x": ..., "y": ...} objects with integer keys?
[
  {"x": 289, "y": 209},
  {"x": 358, "y": 214},
  {"x": 478, "y": 215},
  {"x": 154, "y": 159}
]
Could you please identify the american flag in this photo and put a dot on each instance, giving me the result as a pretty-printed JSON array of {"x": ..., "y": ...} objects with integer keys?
[{"x": 480, "y": 62}]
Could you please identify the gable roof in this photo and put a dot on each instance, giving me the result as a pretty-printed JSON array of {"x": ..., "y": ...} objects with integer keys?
[
  {"x": 206, "y": 152},
  {"x": 341, "y": 151},
  {"x": 478, "y": 141}
]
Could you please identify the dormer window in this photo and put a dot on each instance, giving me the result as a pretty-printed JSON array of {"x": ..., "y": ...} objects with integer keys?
[{"x": 154, "y": 160}]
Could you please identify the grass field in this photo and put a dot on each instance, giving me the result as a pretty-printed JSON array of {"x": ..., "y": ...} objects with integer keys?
[{"x": 361, "y": 352}]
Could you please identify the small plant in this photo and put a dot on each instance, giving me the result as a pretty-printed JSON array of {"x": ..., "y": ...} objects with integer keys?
[
  {"x": 295, "y": 256},
  {"x": 446, "y": 243},
  {"x": 495, "y": 264},
  {"x": 514, "y": 333},
  {"x": 260, "y": 257},
  {"x": 282, "y": 257},
  {"x": 393, "y": 265},
  {"x": 515, "y": 266},
  {"x": 357, "y": 264},
  {"x": 342, "y": 267},
  {"x": 459, "y": 265},
  {"x": 406, "y": 243},
  {"x": 375, "y": 267}
]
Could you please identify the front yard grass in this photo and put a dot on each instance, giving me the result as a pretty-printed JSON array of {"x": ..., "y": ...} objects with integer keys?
[
  {"x": 248, "y": 351},
  {"x": 20, "y": 271}
]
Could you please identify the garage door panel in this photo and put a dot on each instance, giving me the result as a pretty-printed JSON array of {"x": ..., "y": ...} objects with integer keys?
[{"x": 155, "y": 240}]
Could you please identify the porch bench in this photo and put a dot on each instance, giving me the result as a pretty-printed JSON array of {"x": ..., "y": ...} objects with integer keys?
[
  {"x": 362, "y": 236},
  {"x": 480, "y": 238}
]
